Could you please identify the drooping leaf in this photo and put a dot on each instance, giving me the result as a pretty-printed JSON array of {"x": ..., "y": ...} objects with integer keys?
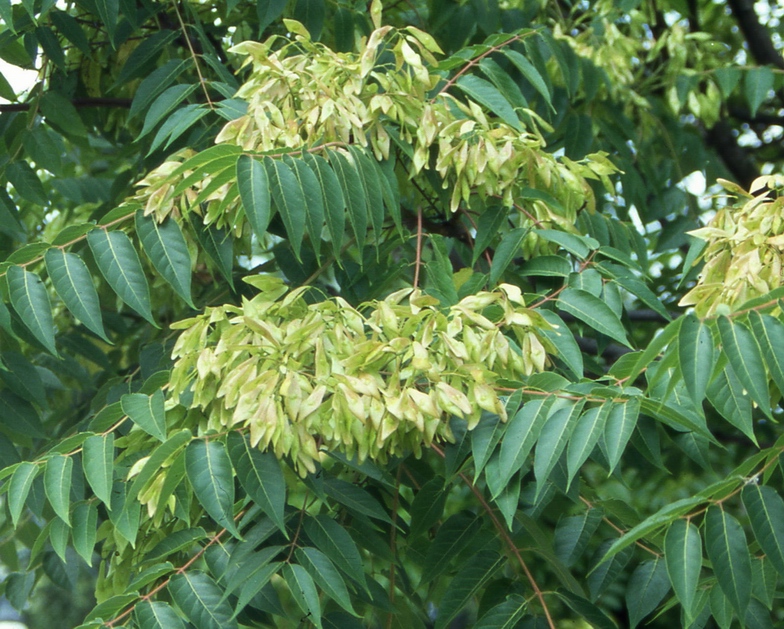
[
  {"x": 210, "y": 473},
  {"x": 19, "y": 415},
  {"x": 164, "y": 104},
  {"x": 200, "y": 599},
  {"x": 588, "y": 429},
  {"x": 157, "y": 615},
  {"x": 147, "y": 412},
  {"x": 326, "y": 576},
  {"x": 745, "y": 358},
  {"x": 159, "y": 456},
  {"x": 427, "y": 506},
  {"x": 695, "y": 352},
  {"x": 289, "y": 199},
  {"x": 31, "y": 302},
  {"x": 485, "y": 93},
  {"x": 166, "y": 247},
  {"x": 355, "y": 498},
  {"x": 619, "y": 427},
  {"x": 766, "y": 512},
  {"x": 529, "y": 71},
  {"x": 475, "y": 573},
  {"x": 573, "y": 534},
  {"x": 73, "y": 283},
  {"x": 504, "y": 615},
  {"x": 304, "y": 592},
  {"x": 333, "y": 540},
  {"x": 586, "y": 609},
  {"x": 19, "y": 488},
  {"x": 57, "y": 484},
  {"x": 119, "y": 263},
  {"x": 261, "y": 477},
  {"x": 84, "y": 531},
  {"x": 647, "y": 586},
  {"x": 594, "y": 312},
  {"x": 522, "y": 431},
  {"x": 98, "y": 463},
  {"x": 728, "y": 551},
  {"x": 757, "y": 84},
  {"x": 553, "y": 440},
  {"x": 507, "y": 249},
  {"x": 314, "y": 200},
  {"x": 333, "y": 201},
  {"x": 769, "y": 333},
  {"x": 453, "y": 537},
  {"x": 353, "y": 194},
  {"x": 254, "y": 187},
  {"x": 683, "y": 557},
  {"x": 604, "y": 573}
]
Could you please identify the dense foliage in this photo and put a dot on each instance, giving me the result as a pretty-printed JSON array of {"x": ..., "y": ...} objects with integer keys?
[{"x": 403, "y": 315}]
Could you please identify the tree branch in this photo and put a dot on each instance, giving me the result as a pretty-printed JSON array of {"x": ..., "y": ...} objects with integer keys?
[
  {"x": 757, "y": 36},
  {"x": 124, "y": 103}
]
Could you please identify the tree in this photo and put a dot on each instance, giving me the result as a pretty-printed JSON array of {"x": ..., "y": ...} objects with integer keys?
[{"x": 319, "y": 313}]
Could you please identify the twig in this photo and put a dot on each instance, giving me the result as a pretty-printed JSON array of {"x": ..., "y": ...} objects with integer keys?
[
  {"x": 193, "y": 55},
  {"x": 418, "y": 248}
]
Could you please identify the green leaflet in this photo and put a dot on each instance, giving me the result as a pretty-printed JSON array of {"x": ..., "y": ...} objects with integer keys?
[
  {"x": 757, "y": 83},
  {"x": 488, "y": 225},
  {"x": 219, "y": 246},
  {"x": 646, "y": 588},
  {"x": 163, "y": 105},
  {"x": 604, "y": 573},
  {"x": 745, "y": 358},
  {"x": 769, "y": 333},
  {"x": 19, "y": 487},
  {"x": 353, "y": 194},
  {"x": 326, "y": 575},
  {"x": 147, "y": 412},
  {"x": 31, "y": 302},
  {"x": 766, "y": 512},
  {"x": 427, "y": 507},
  {"x": 370, "y": 175},
  {"x": 314, "y": 200},
  {"x": 159, "y": 456},
  {"x": 521, "y": 433},
  {"x": 57, "y": 484},
  {"x": 729, "y": 398},
  {"x": 261, "y": 477},
  {"x": 155, "y": 82},
  {"x": 175, "y": 542},
  {"x": 504, "y": 615},
  {"x": 19, "y": 415},
  {"x": 696, "y": 355},
  {"x": 453, "y": 537},
  {"x": 98, "y": 464},
  {"x": 683, "y": 557},
  {"x": 209, "y": 470},
  {"x": 332, "y": 200},
  {"x": 200, "y": 599},
  {"x": 333, "y": 540},
  {"x": 587, "y": 432},
  {"x": 506, "y": 251},
  {"x": 84, "y": 531},
  {"x": 304, "y": 592},
  {"x": 254, "y": 187},
  {"x": 573, "y": 534},
  {"x": 729, "y": 554},
  {"x": 289, "y": 199},
  {"x": 466, "y": 583},
  {"x": 552, "y": 441},
  {"x": 484, "y": 93},
  {"x": 112, "y": 606},
  {"x": 355, "y": 498},
  {"x": 528, "y": 70},
  {"x": 586, "y": 609},
  {"x": 119, "y": 263},
  {"x": 580, "y": 246},
  {"x": 74, "y": 285},
  {"x": 166, "y": 247},
  {"x": 594, "y": 312},
  {"x": 157, "y": 615},
  {"x": 619, "y": 428},
  {"x": 484, "y": 438}
]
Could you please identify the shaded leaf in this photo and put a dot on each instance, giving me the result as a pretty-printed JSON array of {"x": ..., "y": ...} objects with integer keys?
[
  {"x": 157, "y": 615},
  {"x": 326, "y": 575},
  {"x": 745, "y": 358},
  {"x": 729, "y": 554},
  {"x": 200, "y": 599},
  {"x": 166, "y": 247},
  {"x": 619, "y": 427},
  {"x": 474, "y": 575},
  {"x": 147, "y": 412},
  {"x": 98, "y": 463},
  {"x": 119, "y": 263},
  {"x": 333, "y": 540},
  {"x": 695, "y": 352},
  {"x": 19, "y": 488},
  {"x": 304, "y": 592},
  {"x": 210, "y": 473},
  {"x": 31, "y": 302},
  {"x": 84, "y": 531},
  {"x": 57, "y": 484},
  {"x": 647, "y": 587},
  {"x": 289, "y": 199},
  {"x": 254, "y": 188},
  {"x": 766, "y": 513}
]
